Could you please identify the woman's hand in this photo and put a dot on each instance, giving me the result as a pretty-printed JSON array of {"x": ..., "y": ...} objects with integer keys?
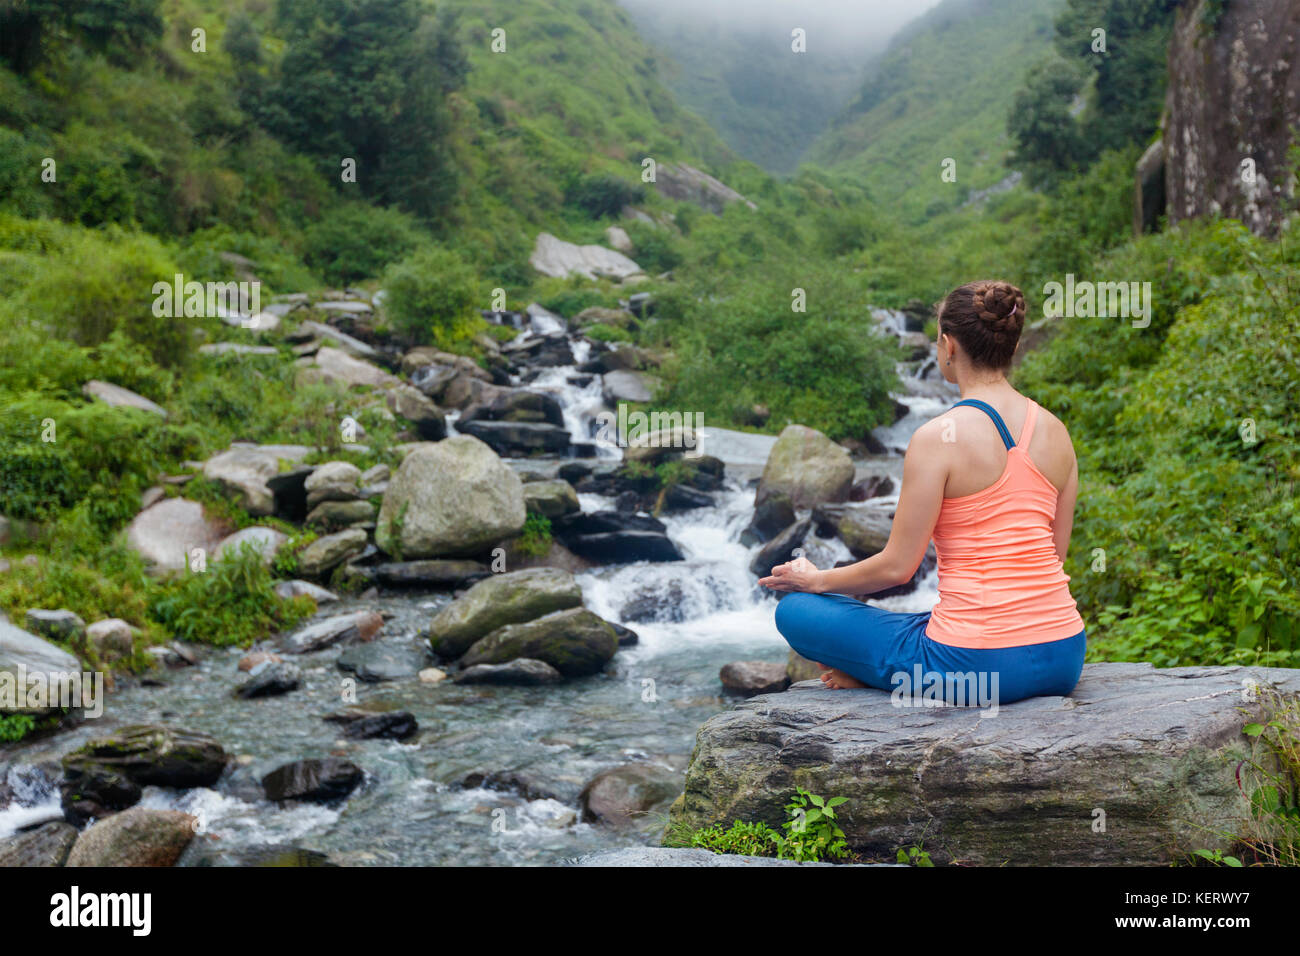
[{"x": 797, "y": 575}]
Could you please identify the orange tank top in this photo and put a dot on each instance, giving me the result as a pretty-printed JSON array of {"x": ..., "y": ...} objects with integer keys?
[{"x": 1001, "y": 583}]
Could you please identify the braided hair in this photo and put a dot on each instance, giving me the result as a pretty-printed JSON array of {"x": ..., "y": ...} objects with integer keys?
[{"x": 986, "y": 317}]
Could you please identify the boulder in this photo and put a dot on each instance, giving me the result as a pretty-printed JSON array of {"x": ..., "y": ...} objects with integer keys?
[
  {"x": 522, "y": 671},
  {"x": 410, "y": 403},
  {"x": 450, "y": 499},
  {"x": 268, "y": 541},
  {"x": 375, "y": 662},
  {"x": 515, "y": 405},
  {"x": 328, "y": 552},
  {"x": 332, "y": 481},
  {"x": 559, "y": 259},
  {"x": 61, "y": 625},
  {"x": 24, "y": 656},
  {"x": 292, "y": 589},
  {"x": 112, "y": 638},
  {"x": 687, "y": 184},
  {"x": 118, "y": 397},
  {"x": 335, "y": 365},
  {"x": 429, "y": 573},
  {"x": 618, "y": 239},
  {"x": 575, "y": 642},
  {"x": 780, "y": 549},
  {"x": 864, "y": 528},
  {"x": 165, "y": 533},
  {"x": 243, "y": 471},
  {"x": 771, "y": 517},
  {"x": 807, "y": 467},
  {"x": 518, "y": 439},
  {"x": 45, "y": 845},
  {"x": 627, "y": 386},
  {"x": 340, "y": 628},
  {"x": 270, "y": 678},
  {"x": 362, "y": 725},
  {"x": 748, "y": 678},
  {"x": 1156, "y": 750},
  {"x": 551, "y": 498},
  {"x": 626, "y": 796},
  {"x": 135, "y": 837},
  {"x": 624, "y": 547},
  {"x": 500, "y": 599},
  {"x": 316, "y": 781},
  {"x": 332, "y": 515},
  {"x": 349, "y": 346}
]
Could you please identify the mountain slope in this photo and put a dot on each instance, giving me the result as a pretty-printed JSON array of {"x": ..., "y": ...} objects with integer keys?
[{"x": 938, "y": 94}]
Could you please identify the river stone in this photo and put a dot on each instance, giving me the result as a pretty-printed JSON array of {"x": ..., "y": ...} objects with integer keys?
[
  {"x": 119, "y": 397},
  {"x": 135, "y": 837},
  {"x": 164, "y": 534},
  {"x": 430, "y": 572},
  {"x": 332, "y": 481},
  {"x": 242, "y": 472},
  {"x": 390, "y": 725},
  {"x": 771, "y": 517},
  {"x": 317, "y": 781},
  {"x": 341, "y": 514},
  {"x": 516, "y": 405},
  {"x": 425, "y": 355},
  {"x": 780, "y": 549},
  {"x": 559, "y": 259},
  {"x": 510, "y": 598},
  {"x": 381, "y": 662},
  {"x": 551, "y": 498},
  {"x": 625, "y": 386},
  {"x": 450, "y": 499},
  {"x": 46, "y": 845},
  {"x": 326, "y": 553},
  {"x": 61, "y": 625},
  {"x": 335, "y": 365},
  {"x": 518, "y": 439},
  {"x": 292, "y": 589},
  {"x": 863, "y": 527},
  {"x": 626, "y": 796},
  {"x": 670, "y": 441},
  {"x": 748, "y": 678},
  {"x": 268, "y": 541},
  {"x": 269, "y": 678},
  {"x": 624, "y": 547},
  {"x": 575, "y": 642},
  {"x": 34, "y": 656},
  {"x": 807, "y": 467},
  {"x": 522, "y": 671},
  {"x": 341, "y": 628},
  {"x": 410, "y": 403},
  {"x": 1156, "y": 749},
  {"x": 112, "y": 638}
]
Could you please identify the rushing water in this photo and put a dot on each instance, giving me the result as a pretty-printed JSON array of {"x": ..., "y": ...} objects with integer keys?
[{"x": 413, "y": 808}]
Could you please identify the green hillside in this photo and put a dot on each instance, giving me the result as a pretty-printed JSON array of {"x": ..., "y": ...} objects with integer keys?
[{"x": 941, "y": 91}]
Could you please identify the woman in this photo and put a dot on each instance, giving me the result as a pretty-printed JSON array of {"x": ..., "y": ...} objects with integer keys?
[{"x": 993, "y": 481}]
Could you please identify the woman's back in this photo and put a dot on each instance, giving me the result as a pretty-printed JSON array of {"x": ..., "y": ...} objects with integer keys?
[{"x": 1001, "y": 582}]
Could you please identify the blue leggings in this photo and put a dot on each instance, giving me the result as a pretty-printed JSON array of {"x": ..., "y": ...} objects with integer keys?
[{"x": 889, "y": 650}]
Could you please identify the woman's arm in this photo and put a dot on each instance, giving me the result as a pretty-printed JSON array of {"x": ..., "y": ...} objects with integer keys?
[
  {"x": 1063, "y": 523},
  {"x": 925, "y": 473}
]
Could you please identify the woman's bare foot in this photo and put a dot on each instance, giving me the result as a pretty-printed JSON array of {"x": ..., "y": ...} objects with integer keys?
[{"x": 838, "y": 680}]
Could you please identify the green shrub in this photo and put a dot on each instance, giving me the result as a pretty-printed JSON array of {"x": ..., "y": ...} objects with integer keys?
[
  {"x": 357, "y": 241},
  {"x": 602, "y": 194},
  {"x": 431, "y": 297},
  {"x": 535, "y": 540},
  {"x": 746, "y": 839}
]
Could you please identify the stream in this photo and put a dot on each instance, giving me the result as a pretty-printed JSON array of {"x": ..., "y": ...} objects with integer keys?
[{"x": 415, "y": 807}]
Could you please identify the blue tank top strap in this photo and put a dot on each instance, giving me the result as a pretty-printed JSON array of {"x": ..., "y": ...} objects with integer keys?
[{"x": 993, "y": 414}]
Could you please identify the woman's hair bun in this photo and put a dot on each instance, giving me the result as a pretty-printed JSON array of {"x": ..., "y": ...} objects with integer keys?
[
  {"x": 986, "y": 317},
  {"x": 1000, "y": 306}
]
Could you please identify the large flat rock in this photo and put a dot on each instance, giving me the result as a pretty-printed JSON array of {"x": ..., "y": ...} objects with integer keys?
[{"x": 1156, "y": 751}]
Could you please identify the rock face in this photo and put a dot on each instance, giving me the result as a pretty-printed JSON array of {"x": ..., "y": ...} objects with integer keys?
[
  {"x": 136, "y": 837},
  {"x": 557, "y": 258},
  {"x": 1156, "y": 750},
  {"x": 806, "y": 467},
  {"x": 575, "y": 642},
  {"x": 1233, "y": 95},
  {"x": 510, "y": 598},
  {"x": 450, "y": 499},
  {"x": 164, "y": 534}
]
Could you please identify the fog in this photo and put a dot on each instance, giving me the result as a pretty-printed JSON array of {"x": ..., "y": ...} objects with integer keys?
[{"x": 858, "y": 24}]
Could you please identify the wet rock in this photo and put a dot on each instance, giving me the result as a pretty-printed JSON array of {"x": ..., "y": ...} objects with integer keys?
[
  {"x": 747, "y": 678},
  {"x": 135, "y": 837},
  {"x": 872, "y": 486},
  {"x": 510, "y": 598},
  {"x": 164, "y": 534},
  {"x": 361, "y": 725},
  {"x": 118, "y": 397},
  {"x": 112, "y": 638},
  {"x": 452, "y": 498},
  {"x": 383, "y": 662},
  {"x": 256, "y": 658},
  {"x": 295, "y": 588},
  {"x": 270, "y": 678},
  {"x": 410, "y": 403},
  {"x": 624, "y": 547},
  {"x": 522, "y": 671},
  {"x": 339, "y": 629},
  {"x": 243, "y": 470},
  {"x": 518, "y": 439},
  {"x": 771, "y": 517},
  {"x": 27, "y": 655},
  {"x": 575, "y": 642},
  {"x": 780, "y": 549},
  {"x": 341, "y": 514},
  {"x": 627, "y": 386},
  {"x": 807, "y": 467},
  {"x": 864, "y": 528},
  {"x": 430, "y": 573},
  {"x": 61, "y": 625},
  {"x": 328, "y": 552},
  {"x": 268, "y": 541},
  {"x": 45, "y": 845},
  {"x": 626, "y": 796},
  {"x": 681, "y": 497},
  {"x": 315, "y": 781},
  {"x": 626, "y": 636},
  {"x": 432, "y": 675},
  {"x": 1042, "y": 766},
  {"x": 661, "y": 605}
]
